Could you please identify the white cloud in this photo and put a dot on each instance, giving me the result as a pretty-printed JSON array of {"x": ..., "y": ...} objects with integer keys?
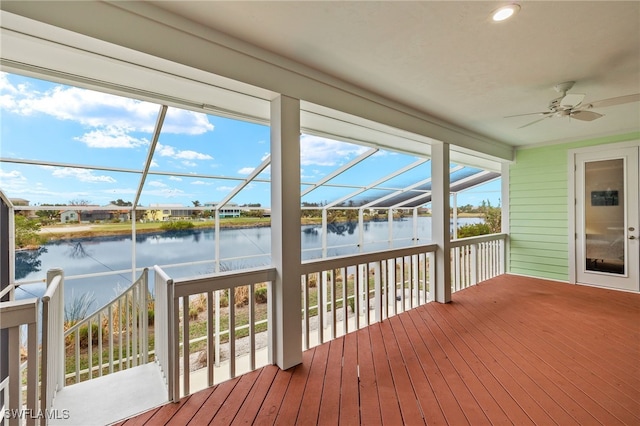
[
  {"x": 318, "y": 151},
  {"x": 246, "y": 170},
  {"x": 154, "y": 163},
  {"x": 169, "y": 151},
  {"x": 83, "y": 175},
  {"x": 86, "y": 107},
  {"x": 113, "y": 118},
  {"x": 175, "y": 178},
  {"x": 111, "y": 137},
  {"x": 164, "y": 193},
  {"x": 225, "y": 188},
  {"x": 12, "y": 175},
  {"x": 189, "y": 163},
  {"x": 199, "y": 182},
  {"x": 157, "y": 184},
  {"x": 186, "y": 122}
]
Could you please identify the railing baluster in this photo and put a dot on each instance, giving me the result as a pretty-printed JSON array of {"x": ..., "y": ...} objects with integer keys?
[
  {"x": 320, "y": 289},
  {"x": 334, "y": 278},
  {"x": 100, "y": 357},
  {"x": 120, "y": 359},
  {"x": 89, "y": 348},
  {"x": 417, "y": 279},
  {"x": 232, "y": 333},
  {"x": 252, "y": 327},
  {"x": 365, "y": 289},
  {"x": 77, "y": 347},
  {"x": 135, "y": 300},
  {"x": 128, "y": 329},
  {"x": 392, "y": 286},
  {"x": 185, "y": 344},
  {"x": 377, "y": 284},
  {"x": 218, "y": 328},
  {"x": 305, "y": 305},
  {"x": 401, "y": 293},
  {"x": 211, "y": 361},
  {"x": 110, "y": 325},
  {"x": 356, "y": 296},
  {"x": 345, "y": 304}
]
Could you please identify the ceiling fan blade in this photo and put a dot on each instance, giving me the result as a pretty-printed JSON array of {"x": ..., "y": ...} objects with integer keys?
[
  {"x": 572, "y": 100},
  {"x": 534, "y": 122},
  {"x": 613, "y": 101},
  {"x": 530, "y": 113},
  {"x": 585, "y": 115}
]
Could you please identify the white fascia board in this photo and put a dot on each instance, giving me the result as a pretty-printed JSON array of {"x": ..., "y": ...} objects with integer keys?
[
  {"x": 142, "y": 27},
  {"x": 171, "y": 85}
]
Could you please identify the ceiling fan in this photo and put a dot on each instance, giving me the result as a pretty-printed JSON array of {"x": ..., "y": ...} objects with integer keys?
[{"x": 571, "y": 105}]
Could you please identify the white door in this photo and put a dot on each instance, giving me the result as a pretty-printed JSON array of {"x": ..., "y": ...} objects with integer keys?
[{"x": 607, "y": 225}]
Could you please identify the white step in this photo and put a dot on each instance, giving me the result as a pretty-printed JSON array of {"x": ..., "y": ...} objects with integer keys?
[{"x": 108, "y": 399}]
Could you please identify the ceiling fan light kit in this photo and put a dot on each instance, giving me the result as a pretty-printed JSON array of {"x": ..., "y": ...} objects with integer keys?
[{"x": 571, "y": 105}]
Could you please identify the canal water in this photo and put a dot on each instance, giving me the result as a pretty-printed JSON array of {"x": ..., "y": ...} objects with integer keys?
[{"x": 192, "y": 253}]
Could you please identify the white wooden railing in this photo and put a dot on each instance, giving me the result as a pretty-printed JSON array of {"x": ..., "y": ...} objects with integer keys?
[
  {"x": 163, "y": 288},
  {"x": 347, "y": 293},
  {"x": 53, "y": 351},
  {"x": 119, "y": 328},
  {"x": 173, "y": 316},
  {"x": 476, "y": 259},
  {"x": 16, "y": 315}
]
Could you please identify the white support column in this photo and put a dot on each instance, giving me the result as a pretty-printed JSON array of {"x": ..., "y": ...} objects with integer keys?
[
  {"x": 285, "y": 229},
  {"x": 440, "y": 221}
]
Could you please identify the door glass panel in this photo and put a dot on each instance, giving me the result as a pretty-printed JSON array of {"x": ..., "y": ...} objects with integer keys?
[{"x": 605, "y": 216}]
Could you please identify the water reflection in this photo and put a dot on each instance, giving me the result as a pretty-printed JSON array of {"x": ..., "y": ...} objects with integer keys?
[
  {"x": 341, "y": 228},
  {"x": 189, "y": 253},
  {"x": 28, "y": 262}
]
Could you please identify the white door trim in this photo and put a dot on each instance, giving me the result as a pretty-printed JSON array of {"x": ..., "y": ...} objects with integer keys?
[{"x": 571, "y": 196}]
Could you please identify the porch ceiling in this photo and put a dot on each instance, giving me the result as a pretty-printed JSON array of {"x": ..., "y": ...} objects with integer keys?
[{"x": 443, "y": 59}]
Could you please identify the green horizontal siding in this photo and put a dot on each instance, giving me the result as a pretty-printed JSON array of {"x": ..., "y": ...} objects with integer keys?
[
  {"x": 538, "y": 209},
  {"x": 533, "y": 191}
]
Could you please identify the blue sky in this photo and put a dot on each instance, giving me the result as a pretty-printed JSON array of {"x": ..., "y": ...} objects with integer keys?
[{"x": 62, "y": 124}]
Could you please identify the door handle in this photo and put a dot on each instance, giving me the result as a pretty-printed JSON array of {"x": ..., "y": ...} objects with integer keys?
[{"x": 632, "y": 237}]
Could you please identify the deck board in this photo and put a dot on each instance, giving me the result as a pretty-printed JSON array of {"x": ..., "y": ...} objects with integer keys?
[
  {"x": 349, "y": 400},
  {"x": 512, "y": 350},
  {"x": 273, "y": 400},
  {"x": 292, "y": 398},
  {"x": 330, "y": 403}
]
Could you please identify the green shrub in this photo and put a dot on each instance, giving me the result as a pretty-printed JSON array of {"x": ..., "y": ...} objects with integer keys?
[
  {"x": 352, "y": 303},
  {"x": 84, "y": 334},
  {"x": 27, "y": 232},
  {"x": 261, "y": 295},
  {"x": 178, "y": 225},
  {"x": 473, "y": 230}
]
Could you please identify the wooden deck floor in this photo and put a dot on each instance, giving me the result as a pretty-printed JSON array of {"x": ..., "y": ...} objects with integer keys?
[{"x": 511, "y": 350}]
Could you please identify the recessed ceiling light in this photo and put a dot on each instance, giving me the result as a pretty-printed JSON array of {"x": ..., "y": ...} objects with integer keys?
[{"x": 505, "y": 12}]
